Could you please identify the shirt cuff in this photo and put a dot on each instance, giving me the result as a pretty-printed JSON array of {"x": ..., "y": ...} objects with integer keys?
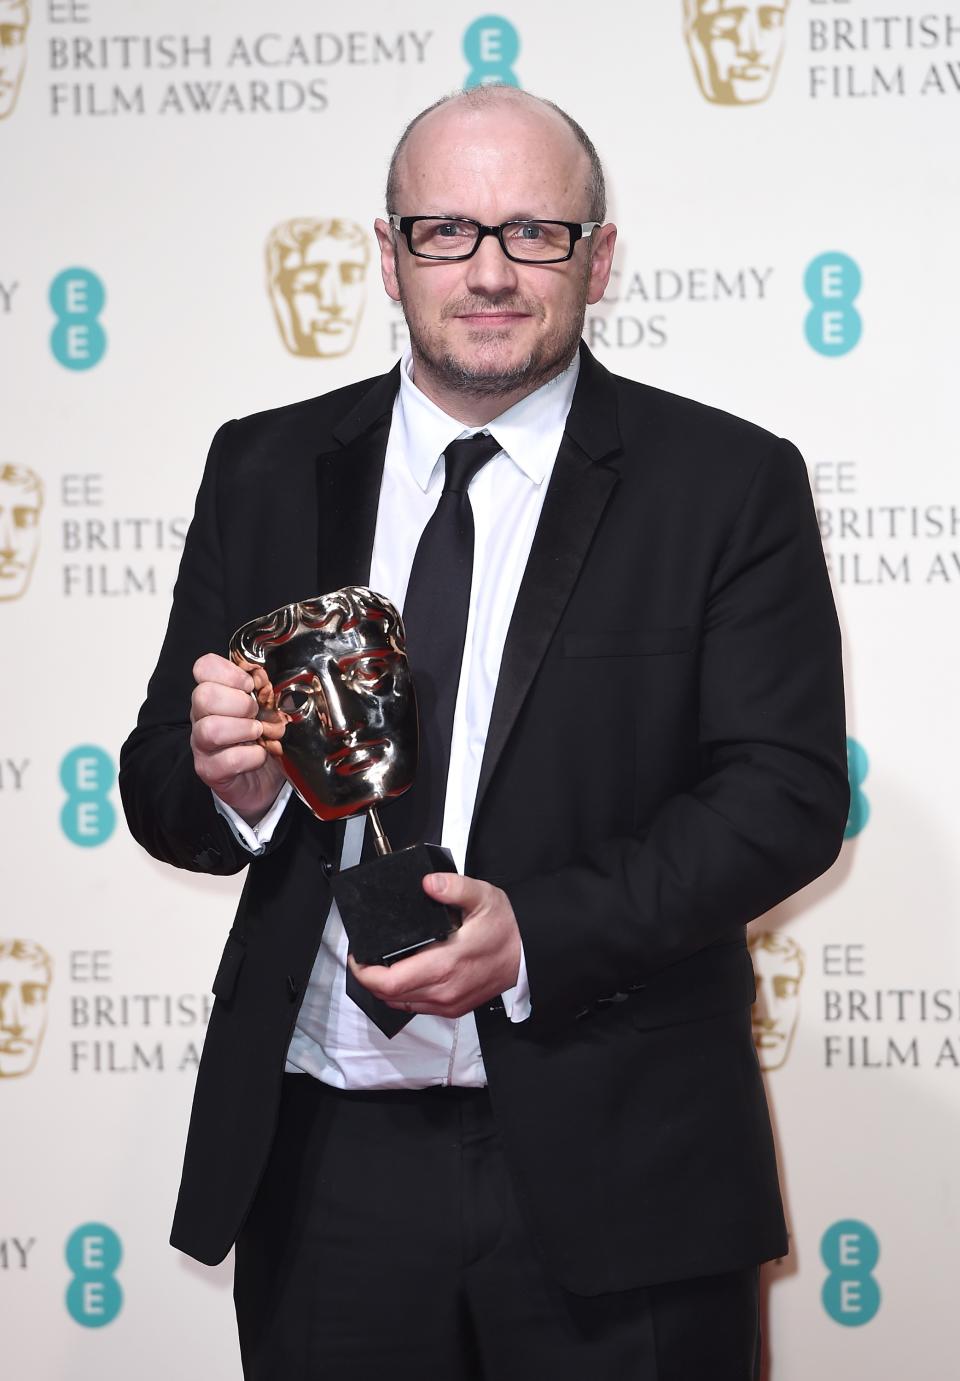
[
  {"x": 516, "y": 1000},
  {"x": 255, "y": 838}
]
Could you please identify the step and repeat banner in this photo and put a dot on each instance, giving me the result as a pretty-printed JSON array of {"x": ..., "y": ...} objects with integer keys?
[{"x": 188, "y": 193}]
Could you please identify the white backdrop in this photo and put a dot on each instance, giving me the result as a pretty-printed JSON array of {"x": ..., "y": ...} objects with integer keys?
[{"x": 785, "y": 180}]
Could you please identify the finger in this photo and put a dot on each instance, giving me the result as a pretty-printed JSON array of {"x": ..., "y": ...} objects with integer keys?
[
  {"x": 210, "y": 697},
  {"x": 211, "y": 667},
  {"x": 219, "y": 769},
  {"x": 216, "y": 732},
  {"x": 399, "y": 982},
  {"x": 455, "y": 890}
]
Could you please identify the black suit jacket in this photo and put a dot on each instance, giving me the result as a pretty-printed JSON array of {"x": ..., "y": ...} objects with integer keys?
[{"x": 665, "y": 761}]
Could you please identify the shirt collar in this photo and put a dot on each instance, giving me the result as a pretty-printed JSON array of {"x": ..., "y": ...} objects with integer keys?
[{"x": 529, "y": 432}]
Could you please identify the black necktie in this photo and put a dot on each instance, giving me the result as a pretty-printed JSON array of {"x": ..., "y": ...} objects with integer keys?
[{"x": 435, "y": 621}]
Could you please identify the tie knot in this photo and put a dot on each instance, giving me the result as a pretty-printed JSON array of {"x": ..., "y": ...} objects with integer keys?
[{"x": 462, "y": 460}]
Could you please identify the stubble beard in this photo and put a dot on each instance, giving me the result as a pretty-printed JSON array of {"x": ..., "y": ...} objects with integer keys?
[{"x": 548, "y": 359}]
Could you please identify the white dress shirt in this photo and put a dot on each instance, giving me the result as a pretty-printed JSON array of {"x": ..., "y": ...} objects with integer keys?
[{"x": 333, "y": 1039}]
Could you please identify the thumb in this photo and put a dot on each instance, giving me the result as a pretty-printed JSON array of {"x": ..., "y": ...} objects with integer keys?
[{"x": 454, "y": 890}]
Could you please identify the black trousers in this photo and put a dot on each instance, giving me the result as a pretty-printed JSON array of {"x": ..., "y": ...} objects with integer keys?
[{"x": 385, "y": 1242}]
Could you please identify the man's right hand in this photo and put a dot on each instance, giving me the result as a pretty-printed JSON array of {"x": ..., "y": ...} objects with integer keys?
[{"x": 226, "y": 740}]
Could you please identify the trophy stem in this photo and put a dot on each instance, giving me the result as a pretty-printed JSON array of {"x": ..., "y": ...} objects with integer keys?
[{"x": 380, "y": 841}]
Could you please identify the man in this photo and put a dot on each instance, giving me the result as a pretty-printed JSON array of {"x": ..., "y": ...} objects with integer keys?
[
  {"x": 316, "y": 275},
  {"x": 562, "y": 1166}
]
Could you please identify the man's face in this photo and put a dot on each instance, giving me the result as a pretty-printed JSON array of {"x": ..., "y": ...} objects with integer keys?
[
  {"x": 487, "y": 324},
  {"x": 347, "y": 701},
  {"x": 736, "y": 47},
  {"x": 777, "y": 1006},
  {"x": 23, "y": 1014},
  {"x": 323, "y": 284},
  {"x": 14, "y": 19},
  {"x": 19, "y": 535}
]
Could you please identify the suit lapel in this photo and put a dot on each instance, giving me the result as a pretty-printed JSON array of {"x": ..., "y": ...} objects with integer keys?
[
  {"x": 579, "y": 490},
  {"x": 348, "y": 488}
]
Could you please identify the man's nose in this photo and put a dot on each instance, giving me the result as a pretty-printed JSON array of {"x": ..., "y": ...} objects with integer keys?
[{"x": 490, "y": 272}]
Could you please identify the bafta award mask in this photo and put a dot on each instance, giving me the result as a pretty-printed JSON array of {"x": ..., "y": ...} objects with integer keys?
[
  {"x": 778, "y": 968},
  {"x": 21, "y": 501},
  {"x": 316, "y": 276},
  {"x": 25, "y": 973},
  {"x": 14, "y": 22},
  {"x": 336, "y": 698},
  {"x": 736, "y": 47}
]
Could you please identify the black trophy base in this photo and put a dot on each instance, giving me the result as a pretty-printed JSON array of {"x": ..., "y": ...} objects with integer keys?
[{"x": 385, "y": 911}]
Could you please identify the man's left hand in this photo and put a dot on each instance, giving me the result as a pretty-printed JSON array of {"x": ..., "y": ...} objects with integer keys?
[{"x": 475, "y": 963}]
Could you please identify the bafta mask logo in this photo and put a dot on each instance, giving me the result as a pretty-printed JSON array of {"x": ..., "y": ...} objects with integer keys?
[
  {"x": 736, "y": 47},
  {"x": 316, "y": 277},
  {"x": 778, "y": 967},
  {"x": 25, "y": 973},
  {"x": 14, "y": 22},
  {"x": 21, "y": 501}
]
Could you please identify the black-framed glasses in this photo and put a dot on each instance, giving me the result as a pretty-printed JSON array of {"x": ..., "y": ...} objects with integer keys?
[{"x": 526, "y": 242}]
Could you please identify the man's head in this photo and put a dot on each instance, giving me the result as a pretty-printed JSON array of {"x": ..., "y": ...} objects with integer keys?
[
  {"x": 25, "y": 973},
  {"x": 332, "y": 673},
  {"x": 21, "y": 499},
  {"x": 486, "y": 326},
  {"x": 316, "y": 276},
  {"x": 736, "y": 46},
  {"x": 14, "y": 21},
  {"x": 778, "y": 968}
]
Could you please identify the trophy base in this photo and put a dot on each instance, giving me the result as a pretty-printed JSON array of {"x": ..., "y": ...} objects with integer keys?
[{"x": 385, "y": 911}]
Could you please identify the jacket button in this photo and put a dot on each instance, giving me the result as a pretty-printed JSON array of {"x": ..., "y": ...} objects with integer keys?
[{"x": 326, "y": 867}]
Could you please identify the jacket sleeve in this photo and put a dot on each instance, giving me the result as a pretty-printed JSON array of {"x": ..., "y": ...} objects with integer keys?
[
  {"x": 767, "y": 813},
  {"x": 170, "y": 812}
]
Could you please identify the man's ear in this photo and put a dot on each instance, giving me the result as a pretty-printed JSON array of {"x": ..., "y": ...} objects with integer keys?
[
  {"x": 601, "y": 261},
  {"x": 388, "y": 258}
]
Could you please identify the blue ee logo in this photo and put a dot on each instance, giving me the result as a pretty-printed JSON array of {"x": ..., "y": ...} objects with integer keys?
[
  {"x": 833, "y": 324},
  {"x": 94, "y": 1296},
  {"x": 858, "y": 765},
  {"x": 491, "y": 45},
  {"x": 78, "y": 340},
  {"x": 87, "y": 774},
  {"x": 850, "y": 1252}
]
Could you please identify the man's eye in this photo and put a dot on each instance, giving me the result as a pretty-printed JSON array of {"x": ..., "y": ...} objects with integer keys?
[{"x": 529, "y": 232}]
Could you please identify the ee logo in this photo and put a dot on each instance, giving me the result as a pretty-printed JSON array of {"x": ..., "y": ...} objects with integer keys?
[
  {"x": 850, "y": 1252},
  {"x": 491, "y": 45},
  {"x": 87, "y": 774},
  {"x": 858, "y": 765},
  {"x": 833, "y": 324},
  {"x": 94, "y": 1296},
  {"x": 78, "y": 340}
]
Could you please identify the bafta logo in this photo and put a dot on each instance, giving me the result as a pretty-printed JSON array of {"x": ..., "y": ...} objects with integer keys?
[
  {"x": 778, "y": 967},
  {"x": 736, "y": 46},
  {"x": 316, "y": 277},
  {"x": 21, "y": 500},
  {"x": 14, "y": 22},
  {"x": 25, "y": 973}
]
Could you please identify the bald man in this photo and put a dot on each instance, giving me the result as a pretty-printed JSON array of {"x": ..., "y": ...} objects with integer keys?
[{"x": 562, "y": 1164}]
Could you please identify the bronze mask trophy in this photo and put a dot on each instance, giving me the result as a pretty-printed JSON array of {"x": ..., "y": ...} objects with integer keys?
[{"x": 339, "y": 711}]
